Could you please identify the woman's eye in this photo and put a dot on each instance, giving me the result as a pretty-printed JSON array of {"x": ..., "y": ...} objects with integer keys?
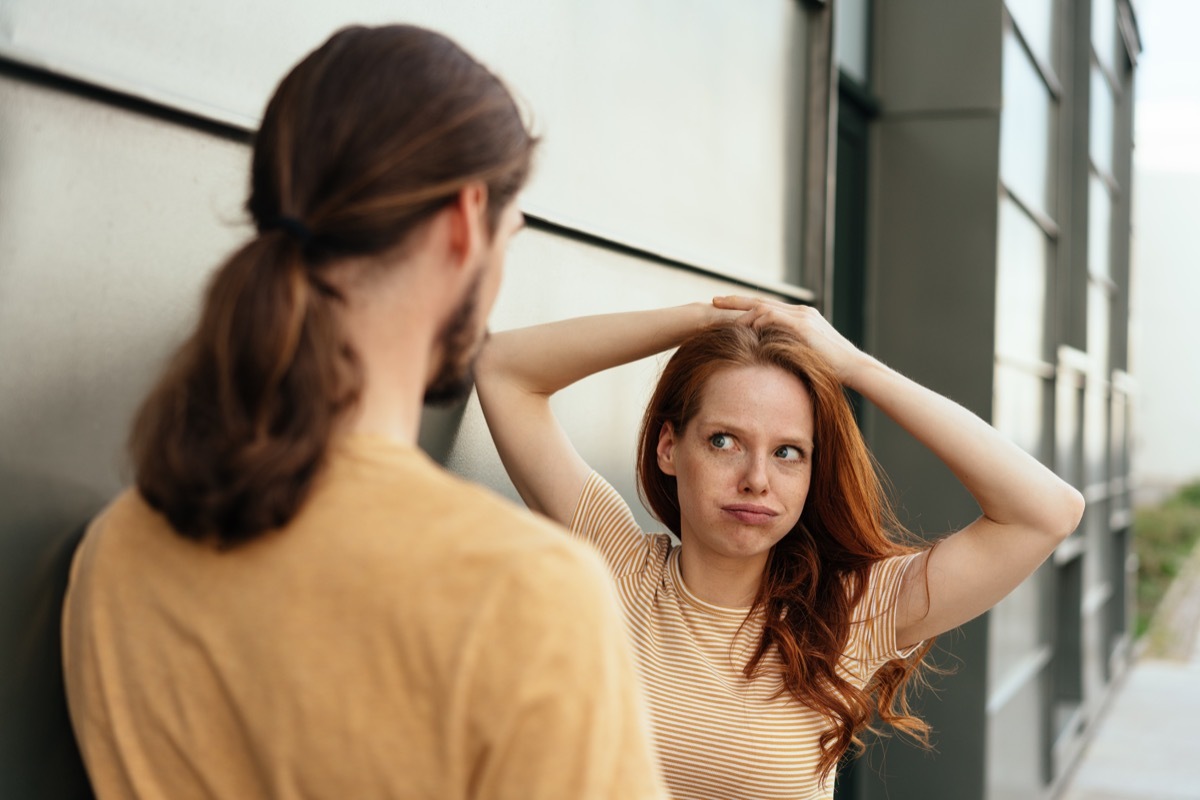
[
  {"x": 788, "y": 453},
  {"x": 720, "y": 441}
]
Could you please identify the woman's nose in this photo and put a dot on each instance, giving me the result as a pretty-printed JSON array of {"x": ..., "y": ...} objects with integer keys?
[{"x": 754, "y": 475}]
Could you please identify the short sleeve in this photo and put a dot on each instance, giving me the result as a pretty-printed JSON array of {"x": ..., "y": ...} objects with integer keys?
[
  {"x": 873, "y": 629},
  {"x": 557, "y": 705},
  {"x": 604, "y": 520}
]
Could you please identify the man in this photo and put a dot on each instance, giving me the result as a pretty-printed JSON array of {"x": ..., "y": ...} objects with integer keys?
[{"x": 294, "y": 601}]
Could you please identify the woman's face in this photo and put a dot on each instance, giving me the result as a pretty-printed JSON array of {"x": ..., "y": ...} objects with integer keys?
[{"x": 743, "y": 463}]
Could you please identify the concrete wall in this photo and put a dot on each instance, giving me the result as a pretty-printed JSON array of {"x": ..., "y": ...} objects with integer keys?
[
  {"x": 931, "y": 292},
  {"x": 983, "y": 262}
]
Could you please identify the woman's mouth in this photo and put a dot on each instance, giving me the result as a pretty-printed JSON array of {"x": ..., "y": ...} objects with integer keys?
[{"x": 750, "y": 513}]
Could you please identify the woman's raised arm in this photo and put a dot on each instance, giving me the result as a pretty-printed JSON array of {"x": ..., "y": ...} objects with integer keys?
[
  {"x": 1027, "y": 509},
  {"x": 520, "y": 369}
]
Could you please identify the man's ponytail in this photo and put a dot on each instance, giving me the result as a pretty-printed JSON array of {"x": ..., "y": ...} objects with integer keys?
[
  {"x": 363, "y": 141},
  {"x": 229, "y": 442}
]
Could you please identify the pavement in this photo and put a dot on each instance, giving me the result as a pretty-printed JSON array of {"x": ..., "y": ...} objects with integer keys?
[{"x": 1147, "y": 745}]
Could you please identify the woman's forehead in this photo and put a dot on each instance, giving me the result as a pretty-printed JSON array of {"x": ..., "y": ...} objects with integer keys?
[{"x": 758, "y": 396}]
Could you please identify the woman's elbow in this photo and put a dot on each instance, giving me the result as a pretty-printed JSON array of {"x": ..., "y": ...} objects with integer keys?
[{"x": 1068, "y": 511}]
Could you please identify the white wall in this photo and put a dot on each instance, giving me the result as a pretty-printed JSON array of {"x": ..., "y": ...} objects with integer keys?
[
  {"x": 668, "y": 125},
  {"x": 1165, "y": 328},
  {"x": 1165, "y": 292}
]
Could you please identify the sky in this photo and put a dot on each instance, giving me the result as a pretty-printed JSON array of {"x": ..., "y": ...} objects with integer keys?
[
  {"x": 1165, "y": 281},
  {"x": 1167, "y": 93}
]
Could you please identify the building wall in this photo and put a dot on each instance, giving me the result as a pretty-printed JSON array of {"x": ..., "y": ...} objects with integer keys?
[
  {"x": 999, "y": 276},
  {"x": 931, "y": 295},
  {"x": 699, "y": 100}
]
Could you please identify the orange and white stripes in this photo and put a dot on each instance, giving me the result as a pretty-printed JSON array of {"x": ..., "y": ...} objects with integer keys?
[{"x": 717, "y": 734}]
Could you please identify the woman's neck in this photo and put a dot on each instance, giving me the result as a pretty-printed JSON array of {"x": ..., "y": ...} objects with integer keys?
[{"x": 721, "y": 581}]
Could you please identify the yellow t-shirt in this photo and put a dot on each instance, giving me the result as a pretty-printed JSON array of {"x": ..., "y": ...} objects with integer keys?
[
  {"x": 407, "y": 635},
  {"x": 718, "y": 735}
]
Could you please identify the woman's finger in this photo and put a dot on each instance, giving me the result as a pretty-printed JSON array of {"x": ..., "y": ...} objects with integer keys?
[
  {"x": 779, "y": 317},
  {"x": 757, "y": 317},
  {"x": 736, "y": 302}
]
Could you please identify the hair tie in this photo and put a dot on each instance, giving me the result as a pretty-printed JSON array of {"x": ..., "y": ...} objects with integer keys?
[{"x": 291, "y": 226}]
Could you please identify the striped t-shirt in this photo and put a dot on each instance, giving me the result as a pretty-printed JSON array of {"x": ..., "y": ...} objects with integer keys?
[{"x": 718, "y": 735}]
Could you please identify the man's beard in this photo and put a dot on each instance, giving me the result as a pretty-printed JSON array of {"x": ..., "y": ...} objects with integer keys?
[{"x": 457, "y": 340}]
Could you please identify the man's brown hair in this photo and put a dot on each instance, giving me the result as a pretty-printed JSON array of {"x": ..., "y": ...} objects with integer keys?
[{"x": 362, "y": 142}]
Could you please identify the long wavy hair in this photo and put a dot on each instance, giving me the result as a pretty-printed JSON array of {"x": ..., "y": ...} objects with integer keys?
[
  {"x": 363, "y": 141},
  {"x": 817, "y": 574}
]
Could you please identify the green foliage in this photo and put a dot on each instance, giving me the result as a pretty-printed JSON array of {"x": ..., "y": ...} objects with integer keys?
[
  {"x": 1164, "y": 537},
  {"x": 1189, "y": 495}
]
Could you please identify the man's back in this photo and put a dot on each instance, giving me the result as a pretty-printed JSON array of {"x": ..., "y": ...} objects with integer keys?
[{"x": 406, "y": 635}]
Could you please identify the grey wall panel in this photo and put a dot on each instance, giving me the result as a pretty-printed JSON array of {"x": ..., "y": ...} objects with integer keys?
[
  {"x": 932, "y": 285},
  {"x": 933, "y": 260},
  {"x": 667, "y": 124},
  {"x": 1015, "y": 748},
  {"x": 931, "y": 55},
  {"x": 1019, "y": 633},
  {"x": 109, "y": 226}
]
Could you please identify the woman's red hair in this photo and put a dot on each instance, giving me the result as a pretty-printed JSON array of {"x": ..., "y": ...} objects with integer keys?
[{"x": 817, "y": 574}]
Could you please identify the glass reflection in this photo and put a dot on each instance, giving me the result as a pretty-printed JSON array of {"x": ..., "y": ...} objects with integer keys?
[
  {"x": 1101, "y": 122},
  {"x": 1027, "y": 126},
  {"x": 1036, "y": 21},
  {"x": 1098, "y": 315},
  {"x": 852, "y": 29},
  {"x": 1018, "y": 403},
  {"x": 1104, "y": 32},
  {"x": 1022, "y": 264},
  {"x": 1099, "y": 228}
]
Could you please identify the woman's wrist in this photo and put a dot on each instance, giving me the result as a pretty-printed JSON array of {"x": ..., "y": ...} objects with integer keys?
[
  {"x": 710, "y": 315},
  {"x": 856, "y": 373}
]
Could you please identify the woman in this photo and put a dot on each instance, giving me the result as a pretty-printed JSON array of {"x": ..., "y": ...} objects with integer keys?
[{"x": 789, "y": 610}]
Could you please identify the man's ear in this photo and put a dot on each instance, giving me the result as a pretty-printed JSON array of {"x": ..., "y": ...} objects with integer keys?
[
  {"x": 468, "y": 223},
  {"x": 666, "y": 448}
]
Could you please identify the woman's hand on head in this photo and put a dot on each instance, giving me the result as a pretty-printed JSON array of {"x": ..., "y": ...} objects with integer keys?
[
  {"x": 806, "y": 322},
  {"x": 715, "y": 314}
]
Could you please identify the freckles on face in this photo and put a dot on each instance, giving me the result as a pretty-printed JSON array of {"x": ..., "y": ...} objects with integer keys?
[{"x": 744, "y": 462}]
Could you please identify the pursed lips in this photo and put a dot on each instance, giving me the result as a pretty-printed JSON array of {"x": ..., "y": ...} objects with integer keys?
[{"x": 750, "y": 513}]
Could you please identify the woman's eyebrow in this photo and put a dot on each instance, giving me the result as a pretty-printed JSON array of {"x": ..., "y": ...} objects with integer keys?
[{"x": 717, "y": 422}]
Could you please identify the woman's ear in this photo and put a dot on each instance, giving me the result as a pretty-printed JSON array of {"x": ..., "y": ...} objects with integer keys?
[{"x": 666, "y": 448}]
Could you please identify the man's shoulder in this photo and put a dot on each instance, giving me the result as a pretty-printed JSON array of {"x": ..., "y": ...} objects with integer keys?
[
  {"x": 540, "y": 549},
  {"x": 451, "y": 499},
  {"x": 538, "y": 555},
  {"x": 471, "y": 519}
]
